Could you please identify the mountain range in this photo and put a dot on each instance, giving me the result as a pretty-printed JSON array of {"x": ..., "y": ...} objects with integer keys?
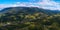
[{"x": 29, "y": 10}]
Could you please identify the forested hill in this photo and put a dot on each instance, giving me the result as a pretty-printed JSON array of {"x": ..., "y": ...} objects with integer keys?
[
  {"x": 29, "y": 18},
  {"x": 28, "y": 10}
]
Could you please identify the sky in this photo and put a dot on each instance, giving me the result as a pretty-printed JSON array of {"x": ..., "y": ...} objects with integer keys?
[{"x": 45, "y": 4}]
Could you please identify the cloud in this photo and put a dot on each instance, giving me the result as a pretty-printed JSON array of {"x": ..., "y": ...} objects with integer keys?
[
  {"x": 45, "y": 4},
  {"x": 48, "y": 4}
]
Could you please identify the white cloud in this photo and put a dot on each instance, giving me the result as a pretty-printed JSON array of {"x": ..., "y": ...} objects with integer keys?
[{"x": 46, "y": 4}]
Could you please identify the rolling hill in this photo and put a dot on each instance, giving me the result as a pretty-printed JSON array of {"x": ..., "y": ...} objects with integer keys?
[
  {"x": 29, "y": 18},
  {"x": 29, "y": 10}
]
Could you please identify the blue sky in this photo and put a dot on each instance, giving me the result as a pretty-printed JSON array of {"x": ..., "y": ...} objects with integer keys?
[
  {"x": 14, "y": 1},
  {"x": 45, "y": 4},
  {"x": 56, "y": 0}
]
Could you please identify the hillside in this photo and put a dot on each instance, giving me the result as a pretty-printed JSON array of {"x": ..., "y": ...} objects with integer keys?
[
  {"x": 29, "y": 18},
  {"x": 29, "y": 10}
]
